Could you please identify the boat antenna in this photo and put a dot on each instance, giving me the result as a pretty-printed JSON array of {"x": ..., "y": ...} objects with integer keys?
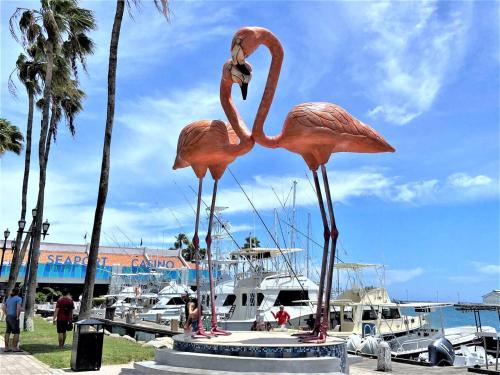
[
  {"x": 307, "y": 242},
  {"x": 268, "y": 231}
]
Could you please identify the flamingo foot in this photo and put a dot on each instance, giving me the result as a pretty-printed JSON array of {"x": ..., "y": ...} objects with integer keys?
[
  {"x": 216, "y": 331},
  {"x": 201, "y": 334},
  {"x": 319, "y": 339},
  {"x": 313, "y": 333}
]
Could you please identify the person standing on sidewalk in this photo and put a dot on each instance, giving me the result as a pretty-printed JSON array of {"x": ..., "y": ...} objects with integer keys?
[
  {"x": 12, "y": 309},
  {"x": 63, "y": 316}
]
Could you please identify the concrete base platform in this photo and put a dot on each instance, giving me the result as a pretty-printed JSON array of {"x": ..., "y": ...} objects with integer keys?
[
  {"x": 249, "y": 353},
  {"x": 151, "y": 367}
]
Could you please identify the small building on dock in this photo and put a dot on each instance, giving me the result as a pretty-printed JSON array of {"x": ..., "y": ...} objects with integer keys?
[{"x": 492, "y": 298}]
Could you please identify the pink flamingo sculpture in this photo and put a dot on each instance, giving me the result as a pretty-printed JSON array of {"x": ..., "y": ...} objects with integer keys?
[
  {"x": 314, "y": 131},
  {"x": 213, "y": 145}
]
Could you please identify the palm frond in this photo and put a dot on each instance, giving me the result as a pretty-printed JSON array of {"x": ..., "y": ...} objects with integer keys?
[
  {"x": 11, "y": 138},
  {"x": 161, "y": 5}
]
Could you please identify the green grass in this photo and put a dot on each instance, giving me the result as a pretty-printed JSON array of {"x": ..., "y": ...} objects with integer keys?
[{"x": 42, "y": 344}]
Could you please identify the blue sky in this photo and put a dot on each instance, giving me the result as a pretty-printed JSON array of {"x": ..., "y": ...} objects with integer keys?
[{"x": 425, "y": 75}]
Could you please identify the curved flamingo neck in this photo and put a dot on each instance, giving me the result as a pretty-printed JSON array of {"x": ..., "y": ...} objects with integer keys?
[
  {"x": 234, "y": 118},
  {"x": 268, "y": 39}
]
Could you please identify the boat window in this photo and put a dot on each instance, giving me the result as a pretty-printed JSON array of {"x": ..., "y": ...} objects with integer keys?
[
  {"x": 252, "y": 299},
  {"x": 260, "y": 298},
  {"x": 229, "y": 300},
  {"x": 244, "y": 299},
  {"x": 287, "y": 298},
  {"x": 370, "y": 313},
  {"x": 348, "y": 314},
  {"x": 175, "y": 301},
  {"x": 390, "y": 313}
]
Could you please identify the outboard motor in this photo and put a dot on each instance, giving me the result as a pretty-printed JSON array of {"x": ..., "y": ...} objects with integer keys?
[{"x": 441, "y": 352}]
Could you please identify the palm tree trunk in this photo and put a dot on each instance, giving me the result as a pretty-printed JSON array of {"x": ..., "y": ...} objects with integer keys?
[
  {"x": 43, "y": 153},
  {"x": 18, "y": 256},
  {"x": 90, "y": 274}
]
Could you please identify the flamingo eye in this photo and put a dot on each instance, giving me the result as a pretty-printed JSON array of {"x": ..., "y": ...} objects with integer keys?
[{"x": 237, "y": 54}]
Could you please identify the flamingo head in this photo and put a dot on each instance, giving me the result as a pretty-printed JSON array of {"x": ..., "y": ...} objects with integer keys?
[
  {"x": 244, "y": 43},
  {"x": 240, "y": 74}
]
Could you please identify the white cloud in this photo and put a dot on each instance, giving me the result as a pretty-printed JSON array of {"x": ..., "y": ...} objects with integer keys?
[
  {"x": 414, "y": 49},
  {"x": 464, "y": 180},
  {"x": 155, "y": 131},
  {"x": 344, "y": 186},
  {"x": 402, "y": 275},
  {"x": 416, "y": 191},
  {"x": 487, "y": 269},
  {"x": 347, "y": 185}
]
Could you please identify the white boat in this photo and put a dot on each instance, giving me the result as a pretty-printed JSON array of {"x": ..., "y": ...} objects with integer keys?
[
  {"x": 416, "y": 344},
  {"x": 169, "y": 305},
  {"x": 370, "y": 312},
  {"x": 262, "y": 288}
]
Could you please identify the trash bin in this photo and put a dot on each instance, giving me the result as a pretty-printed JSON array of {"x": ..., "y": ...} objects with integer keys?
[
  {"x": 110, "y": 313},
  {"x": 86, "y": 353}
]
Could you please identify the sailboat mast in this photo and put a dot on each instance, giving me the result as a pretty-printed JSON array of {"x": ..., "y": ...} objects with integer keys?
[
  {"x": 307, "y": 243},
  {"x": 292, "y": 232}
]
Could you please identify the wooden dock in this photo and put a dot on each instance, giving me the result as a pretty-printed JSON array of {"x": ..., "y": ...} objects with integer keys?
[
  {"x": 368, "y": 366},
  {"x": 151, "y": 328}
]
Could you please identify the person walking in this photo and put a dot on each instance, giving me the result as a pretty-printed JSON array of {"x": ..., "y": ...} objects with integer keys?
[
  {"x": 63, "y": 317},
  {"x": 282, "y": 316},
  {"x": 12, "y": 309}
]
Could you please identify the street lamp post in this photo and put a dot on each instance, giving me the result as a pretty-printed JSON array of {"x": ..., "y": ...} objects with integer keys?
[
  {"x": 45, "y": 229},
  {"x": 6, "y": 235}
]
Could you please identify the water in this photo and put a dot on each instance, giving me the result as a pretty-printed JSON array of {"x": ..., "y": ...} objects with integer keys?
[{"x": 454, "y": 318}]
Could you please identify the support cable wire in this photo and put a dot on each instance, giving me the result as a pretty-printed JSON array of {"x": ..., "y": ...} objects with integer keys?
[
  {"x": 225, "y": 229},
  {"x": 268, "y": 231},
  {"x": 308, "y": 237}
]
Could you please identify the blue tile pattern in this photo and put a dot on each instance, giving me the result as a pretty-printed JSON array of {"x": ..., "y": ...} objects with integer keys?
[{"x": 337, "y": 350}]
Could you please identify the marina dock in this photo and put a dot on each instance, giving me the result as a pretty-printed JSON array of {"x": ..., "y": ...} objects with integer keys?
[
  {"x": 140, "y": 330},
  {"x": 365, "y": 366}
]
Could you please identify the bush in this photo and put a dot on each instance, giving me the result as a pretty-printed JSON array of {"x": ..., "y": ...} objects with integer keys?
[
  {"x": 98, "y": 301},
  {"x": 40, "y": 297}
]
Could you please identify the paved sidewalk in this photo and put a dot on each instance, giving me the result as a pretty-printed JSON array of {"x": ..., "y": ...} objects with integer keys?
[{"x": 21, "y": 363}]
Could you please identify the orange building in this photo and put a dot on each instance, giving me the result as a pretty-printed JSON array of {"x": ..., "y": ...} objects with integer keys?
[{"x": 66, "y": 263}]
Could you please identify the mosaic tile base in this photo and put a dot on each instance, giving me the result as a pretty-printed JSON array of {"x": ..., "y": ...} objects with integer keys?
[{"x": 262, "y": 345}]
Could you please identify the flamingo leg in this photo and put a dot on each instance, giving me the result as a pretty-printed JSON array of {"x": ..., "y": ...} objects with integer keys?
[
  {"x": 334, "y": 234},
  {"x": 200, "y": 333},
  {"x": 326, "y": 238},
  {"x": 215, "y": 330}
]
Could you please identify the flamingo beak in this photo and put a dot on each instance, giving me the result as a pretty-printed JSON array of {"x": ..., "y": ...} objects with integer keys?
[{"x": 244, "y": 88}]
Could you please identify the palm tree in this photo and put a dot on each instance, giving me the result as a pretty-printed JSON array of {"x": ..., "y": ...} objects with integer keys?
[
  {"x": 86, "y": 305},
  {"x": 48, "y": 26},
  {"x": 52, "y": 293},
  {"x": 29, "y": 72},
  {"x": 251, "y": 242},
  {"x": 11, "y": 138}
]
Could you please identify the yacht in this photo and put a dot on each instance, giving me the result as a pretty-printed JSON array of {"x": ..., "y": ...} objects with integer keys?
[
  {"x": 169, "y": 305},
  {"x": 369, "y": 312},
  {"x": 262, "y": 288}
]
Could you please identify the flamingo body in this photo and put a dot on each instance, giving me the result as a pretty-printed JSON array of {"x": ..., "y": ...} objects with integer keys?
[
  {"x": 316, "y": 130},
  {"x": 205, "y": 144}
]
